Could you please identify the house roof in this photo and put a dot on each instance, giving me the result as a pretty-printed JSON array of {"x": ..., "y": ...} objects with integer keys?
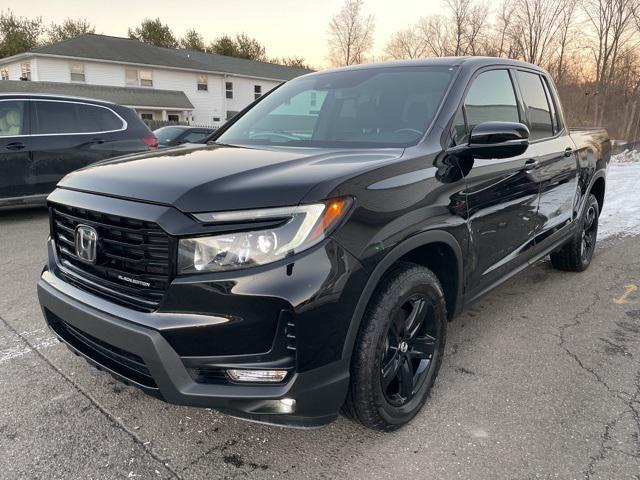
[
  {"x": 129, "y": 96},
  {"x": 125, "y": 50}
]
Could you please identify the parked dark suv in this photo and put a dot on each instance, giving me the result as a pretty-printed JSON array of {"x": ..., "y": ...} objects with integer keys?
[
  {"x": 310, "y": 257},
  {"x": 44, "y": 137}
]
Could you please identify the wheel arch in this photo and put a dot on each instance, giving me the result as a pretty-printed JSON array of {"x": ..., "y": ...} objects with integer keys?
[
  {"x": 598, "y": 190},
  {"x": 414, "y": 249}
]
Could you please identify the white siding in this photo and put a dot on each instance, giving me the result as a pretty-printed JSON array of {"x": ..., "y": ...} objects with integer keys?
[
  {"x": 95, "y": 73},
  {"x": 15, "y": 71},
  {"x": 243, "y": 91},
  {"x": 207, "y": 104}
]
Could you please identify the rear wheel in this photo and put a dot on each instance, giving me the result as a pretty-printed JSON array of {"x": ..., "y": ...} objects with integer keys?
[
  {"x": 576, "y": 255},
  {"x": 399, "y": 349}
]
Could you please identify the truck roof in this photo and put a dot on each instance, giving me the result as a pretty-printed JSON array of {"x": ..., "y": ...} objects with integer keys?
[{"x": 470, "y": 61}]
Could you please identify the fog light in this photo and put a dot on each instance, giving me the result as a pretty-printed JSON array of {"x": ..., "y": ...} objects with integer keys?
[
  {"x": 257, "y": 375},
  {"x": 288, "y": 402}
]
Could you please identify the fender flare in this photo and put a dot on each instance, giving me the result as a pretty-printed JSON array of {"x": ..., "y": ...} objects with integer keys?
[
  {"x": 411, "y": 243},
  {"x": 602, "y": 173}
]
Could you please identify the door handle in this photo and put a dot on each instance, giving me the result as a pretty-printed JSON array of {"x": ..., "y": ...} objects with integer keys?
[
  {"x": 14, "y": 146},
  {"x": 531, "y": 164},
  {"x": 568, "y": 152}
]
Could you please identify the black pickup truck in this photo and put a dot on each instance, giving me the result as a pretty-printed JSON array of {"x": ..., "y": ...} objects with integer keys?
[{"x": 307, "y": 260}]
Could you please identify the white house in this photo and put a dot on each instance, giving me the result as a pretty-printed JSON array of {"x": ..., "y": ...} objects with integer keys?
[{"x": 216, "y": 86}]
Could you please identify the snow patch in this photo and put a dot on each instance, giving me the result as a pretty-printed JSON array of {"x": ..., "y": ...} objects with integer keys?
[{"x": 621, "y": 213}]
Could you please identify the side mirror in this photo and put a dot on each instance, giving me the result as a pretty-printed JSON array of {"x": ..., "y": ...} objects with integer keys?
[{"x": 494, "y": 140}]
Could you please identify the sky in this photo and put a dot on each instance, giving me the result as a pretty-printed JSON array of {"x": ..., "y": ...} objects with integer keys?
[{"x": 289, "y": 28}]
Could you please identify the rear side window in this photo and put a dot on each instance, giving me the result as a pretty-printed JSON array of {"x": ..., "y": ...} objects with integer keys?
[
  {"x": 53, "y": 117},
  {"x": 538, "y": 110},
  {"x": 12, "y": 118}
]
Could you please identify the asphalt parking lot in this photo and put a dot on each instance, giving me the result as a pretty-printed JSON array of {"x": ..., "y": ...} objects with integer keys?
[{"x": 541, "y": 380}]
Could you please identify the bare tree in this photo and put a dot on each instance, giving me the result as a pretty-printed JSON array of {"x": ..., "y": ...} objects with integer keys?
[
  {"x": 565, "y": 36},
  {"x": 612, "y": 22},
  {"x": 534, "y": 28},
  {"x": 350, "y": 34},
  {"x": 468, "y": 22},
  {"x": 406, "y": 44},
  {"x": 438, "y": 35},
  {"x": 504, "y": 24},
  {"x": 475, "y": 30}
]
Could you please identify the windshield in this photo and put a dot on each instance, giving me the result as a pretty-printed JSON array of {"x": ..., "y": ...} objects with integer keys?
[
  {"x": 167, "y": 134},
  {"x": 367, "y": 108}
]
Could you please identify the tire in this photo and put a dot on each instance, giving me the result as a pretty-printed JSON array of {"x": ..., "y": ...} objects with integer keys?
[
  {"x": 576, "y": 255},
  {"x": 408, "y": 306}
]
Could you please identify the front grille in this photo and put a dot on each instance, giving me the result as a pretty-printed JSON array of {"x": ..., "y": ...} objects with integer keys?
[
  {"x": 128, "y": 249},
  {"x": 122, "y": 362}
]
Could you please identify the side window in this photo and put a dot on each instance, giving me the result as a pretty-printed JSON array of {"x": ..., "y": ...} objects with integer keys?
[
  {"x": 538, "y": 110},
  {"x": 194, "y": 137},
  {"x": 55, "y": 117},
  {"x": 97, "y": 119},
  {"x": 557, "y": 122},
  {"x": 491, "y": 98},
  {"x": 12, "y": 118},
  {"x": 63, "y": 117}
]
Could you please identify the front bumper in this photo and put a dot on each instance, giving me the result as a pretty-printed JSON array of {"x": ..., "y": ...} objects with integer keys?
[
  {"x": 105, "y": 340},
  {"x": 293, "y": 314}
]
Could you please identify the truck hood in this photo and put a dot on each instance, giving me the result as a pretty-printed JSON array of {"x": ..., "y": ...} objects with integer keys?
[{"x": 215, "y": 178}]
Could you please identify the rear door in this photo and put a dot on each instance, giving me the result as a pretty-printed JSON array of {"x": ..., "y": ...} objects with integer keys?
[
  {"x": 557, "y": 165},
  {"x": 16, "y": 169},
  {"x": 502, "y": 194},
  {"x": 69, "y": 135}
]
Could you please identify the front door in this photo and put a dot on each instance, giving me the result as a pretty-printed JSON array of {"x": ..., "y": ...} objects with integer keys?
[
  {"x": 501, "y": 194},
  {"x": 16, "y": 169}
]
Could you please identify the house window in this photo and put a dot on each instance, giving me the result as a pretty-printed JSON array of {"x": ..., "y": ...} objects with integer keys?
[
  {"x": 25, "y": 69},
  {"x": 131, "y": 77},
  {"x": 146, "y": 116},
  {"x": 77, "y": 72},
  {"x": 146, "y": 78},
  {"x": 257, "y": 91},
  {"x": 173, "y": 118},
  {"x": 203, "y": 83},
  {"x": 229, "y": 89},
  {"x": 4, "y": 74}
]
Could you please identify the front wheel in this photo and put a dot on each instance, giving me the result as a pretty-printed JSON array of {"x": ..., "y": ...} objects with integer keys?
[
  {"x": 399, "y": 349},
  {"x": 576, "y": 255}
]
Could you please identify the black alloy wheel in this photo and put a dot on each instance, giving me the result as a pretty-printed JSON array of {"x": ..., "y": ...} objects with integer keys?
[
  {"x": 576, "y": 254},
  {"x": 589, "y": 232},
  {"x": 407, "y": 356},
  {"x": 399, "y": 348}
]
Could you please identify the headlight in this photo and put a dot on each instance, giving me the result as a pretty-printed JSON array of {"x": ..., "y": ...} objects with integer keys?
[{"x": 302, "y": 227}]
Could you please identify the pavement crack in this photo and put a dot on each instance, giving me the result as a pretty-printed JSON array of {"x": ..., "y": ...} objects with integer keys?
[
  {"x": 629, "y": 400},
  {"x": 563, "y": 344},
  {"x": 110, "y": 416}
]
